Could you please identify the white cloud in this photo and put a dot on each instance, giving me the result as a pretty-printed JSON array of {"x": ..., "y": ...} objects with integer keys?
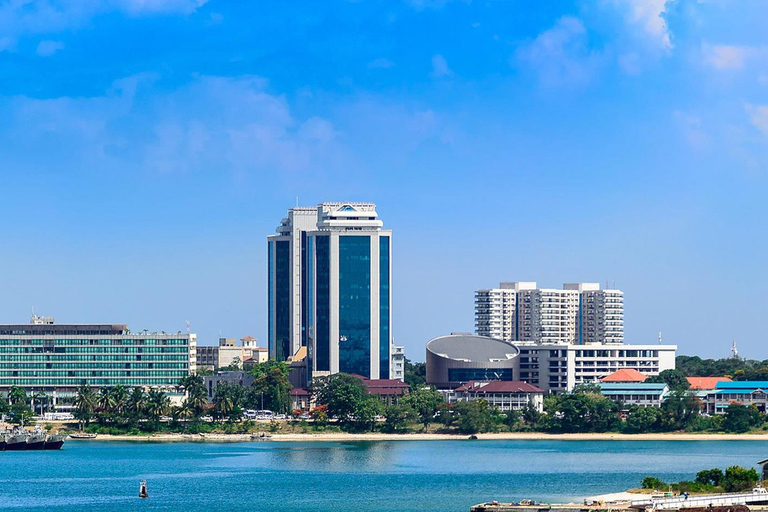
[
  {"x": 212, "y": 124},
  {"x": 380, "y": 64},
  {"x": 726, "y": 56},
  {"x": 440, "y": 67},
  {"x": 47, "y": 48},
  {"x": 24, "y": 17},
  {"x": 561, "y": 55},
  {"x": 648, "y": 15},
  {"x": 758, "y": 115}
]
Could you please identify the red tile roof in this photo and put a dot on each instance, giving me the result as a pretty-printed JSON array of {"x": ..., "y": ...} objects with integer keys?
[
  {"x": 499, "y": 386},
  {"x": 625, "y": 375},
  {"x": 300, "y": 392},
  {"x": 706, "y": 382}
]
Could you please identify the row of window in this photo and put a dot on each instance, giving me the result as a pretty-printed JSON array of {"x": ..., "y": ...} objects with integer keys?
[{"x": 80, "y": 341}]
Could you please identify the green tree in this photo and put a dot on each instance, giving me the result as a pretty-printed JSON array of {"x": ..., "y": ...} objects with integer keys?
[
  {"x": 582, "y": 410},
  {"x": 424, "y": 400},
  {"x": 136, "y": 404},
  {"x": 710, "y": 477},
  {"x": 197, "y": 396},
  {"x": 271, "y": 387},
  {"x": 366, "y": 411},
  {"x": 651, "y": 482},
  {"x": 341, "y": 393},
  {"x": 473, "y": 417},
  {"x": 681, "y": 409},
  {"x": 742, "y": 418},
  {"x": 86, "y": 401},
  {"x": 157, "y": 404},
  {"x": 738, "y": 479},
  {"x": 414, "y": 374},
  {"x": 644, "y": 419},
  {"x": 228, "y": 402},
  {"x": 675, "y": 379},
  {"x": 398, "y": 416}
]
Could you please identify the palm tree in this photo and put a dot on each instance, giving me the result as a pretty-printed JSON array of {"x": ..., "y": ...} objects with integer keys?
[
  {"x": 17, "y": 395},
  {"x": 158, "y": 404},
  {"x": 135, "y": 404},
  {"x": 120, "y": 399},
  {"x": 85, "y": 403}
]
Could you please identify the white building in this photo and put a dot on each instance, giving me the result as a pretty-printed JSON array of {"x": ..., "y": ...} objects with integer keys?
[
  {"x": 228, "y": 352},
  {"x": 398, "y": 363},
  {"x": 329, "y": 280},
  {"x": 579, "y": 313},
  {"x": 560, "y": 367}
]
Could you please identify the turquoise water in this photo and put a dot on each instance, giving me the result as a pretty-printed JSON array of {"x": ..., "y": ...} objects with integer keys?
[{"x": 362, "y": 476}]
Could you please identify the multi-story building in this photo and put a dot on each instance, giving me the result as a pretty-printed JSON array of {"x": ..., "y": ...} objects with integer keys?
[
  {"x": 287, "y": 273},
  {"x": 579, "y": 313},
  {"x": 398, "y": 363},
  {"x": 228, "y": 352},
  {"x": 56, "y": 359},
  {"x": 456, "y": 359},
  {"x": 329, "y": 281}
]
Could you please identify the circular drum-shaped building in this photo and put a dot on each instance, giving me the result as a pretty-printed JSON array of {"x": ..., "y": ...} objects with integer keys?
[{"x": 458, "y": 358}]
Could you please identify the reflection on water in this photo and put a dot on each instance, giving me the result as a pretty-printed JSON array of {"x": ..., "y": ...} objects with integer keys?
[{"x": 318, "y": 476}]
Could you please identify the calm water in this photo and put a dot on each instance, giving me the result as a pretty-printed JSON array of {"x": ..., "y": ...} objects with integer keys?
[{"x": 370, "y": 476}]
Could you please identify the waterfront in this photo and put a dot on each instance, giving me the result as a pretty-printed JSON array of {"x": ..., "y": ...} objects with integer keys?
[{"x": 373, "y": 476}]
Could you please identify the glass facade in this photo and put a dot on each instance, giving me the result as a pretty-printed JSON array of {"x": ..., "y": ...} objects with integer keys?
[
  {"x": 55, "y": 362},
  {"x": 467, "y": 374},
  {"x": 384, "y": 340},
  {"x": 270, "y": 298},
  {"x": 355, "y": 305},
  {"x": 304, "y": 288},
  {"x": 323, "y": 304},
  {"x": 282, "y": 300}
]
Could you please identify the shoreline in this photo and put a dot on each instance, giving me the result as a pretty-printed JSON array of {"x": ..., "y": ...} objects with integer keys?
[{"x": 506, "y": 436}]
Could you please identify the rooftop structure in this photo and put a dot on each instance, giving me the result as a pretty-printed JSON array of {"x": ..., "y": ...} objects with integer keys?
[
  {"x": 505, "y": 395},
  {"x": 625, "y": 375},
  {"x": 705, "y": 383},
  {"x": 635, "y": 393},
  {"x": 459, "y": 358}
]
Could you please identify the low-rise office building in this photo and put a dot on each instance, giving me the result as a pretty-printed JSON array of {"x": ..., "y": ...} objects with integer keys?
[
  {"x": 642, "y": 394},
  {"x": 749, "y": 392},
  {"x": 228, "y": 352},
  {"x": 504, "y": 395},
  {"x": 56, "y": 359}
]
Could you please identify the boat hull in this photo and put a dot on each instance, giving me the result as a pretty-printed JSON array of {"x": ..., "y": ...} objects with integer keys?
[
  {"x": 35, "y": 445},
  {"x": 16, "y": 446},
  {"x": 54, "y": 445}
]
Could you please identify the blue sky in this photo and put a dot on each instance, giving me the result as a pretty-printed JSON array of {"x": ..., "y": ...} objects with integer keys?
[{"x": 148, "y": 147}]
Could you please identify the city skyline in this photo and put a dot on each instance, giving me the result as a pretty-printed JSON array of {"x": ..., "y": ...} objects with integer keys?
[{"x": 556, "y": 143}]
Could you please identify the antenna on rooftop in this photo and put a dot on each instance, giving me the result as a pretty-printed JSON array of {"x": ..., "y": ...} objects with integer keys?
[
  {"x": 188, "y": 331},
  {"x": 660, "y": 338}
]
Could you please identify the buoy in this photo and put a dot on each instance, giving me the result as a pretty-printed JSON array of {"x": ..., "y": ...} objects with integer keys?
[{"x": 143, "y": 489}]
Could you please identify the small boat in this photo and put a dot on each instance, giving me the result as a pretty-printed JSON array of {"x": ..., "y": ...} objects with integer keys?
[
  {"x": 82, "y": 435},
  {"x": 54, "y": 442},
  {"x": 143, "y": 489},
  {"x": 36, "y": 440},
  {"x": 17, "y": 440}
]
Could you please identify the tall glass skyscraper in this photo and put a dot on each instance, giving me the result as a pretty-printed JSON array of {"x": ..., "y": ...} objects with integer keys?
[{"x": 341, "y": 311}]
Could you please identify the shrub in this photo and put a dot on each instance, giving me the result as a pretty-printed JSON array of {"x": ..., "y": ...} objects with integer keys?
[{"x": 651, "y": 482}]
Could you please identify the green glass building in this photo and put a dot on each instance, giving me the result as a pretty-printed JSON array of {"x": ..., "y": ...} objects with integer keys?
[{"x": 57, "y": 359}]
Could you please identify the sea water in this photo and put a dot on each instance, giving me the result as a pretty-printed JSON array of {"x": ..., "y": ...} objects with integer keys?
[{"x": 355, "y": 476}]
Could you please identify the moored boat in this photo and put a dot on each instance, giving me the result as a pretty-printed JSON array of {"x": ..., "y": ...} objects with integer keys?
[
  {"x": 54, "y": 441},
  {"x": 82, "y": 435},
  {"x": 17, "y": 440},
  {"x": 36, "y": 440}
]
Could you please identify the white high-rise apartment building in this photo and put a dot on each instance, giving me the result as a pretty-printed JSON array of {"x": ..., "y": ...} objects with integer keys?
[{"x": 579, "y": 313}]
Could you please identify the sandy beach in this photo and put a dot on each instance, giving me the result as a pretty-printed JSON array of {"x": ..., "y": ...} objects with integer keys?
[{"x": 517, "y": 436}]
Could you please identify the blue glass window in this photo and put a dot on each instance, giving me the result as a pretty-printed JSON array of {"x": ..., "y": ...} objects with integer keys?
[
  {"x": 271, "y": 298},
  {"x": 355, "y": 305},
  {"x": 282, "y": 300},
  {"x": 322, "y": 303},
  {"x": 384, "y": 340},
  {"x": 467, "y": 374}
]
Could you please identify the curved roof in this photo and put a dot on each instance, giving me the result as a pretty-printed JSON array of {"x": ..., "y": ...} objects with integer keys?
[{"x": 470, "y": 348}]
